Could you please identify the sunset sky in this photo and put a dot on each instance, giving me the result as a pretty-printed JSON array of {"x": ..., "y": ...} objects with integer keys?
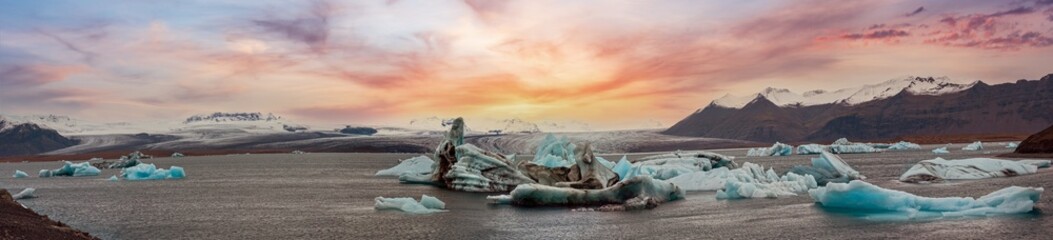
[{"x": 612, "y": 64}]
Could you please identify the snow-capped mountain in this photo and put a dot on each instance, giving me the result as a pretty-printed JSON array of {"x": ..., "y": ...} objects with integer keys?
[
  {"x": 27, "y": 138},
  {"x": 231, "y": 117},
  {"x": 69, "y": 126},
  {"x": 850, "y": 96}
]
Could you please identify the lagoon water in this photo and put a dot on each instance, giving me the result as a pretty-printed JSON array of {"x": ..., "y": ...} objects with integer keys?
[{"x": 330, "y": 196}]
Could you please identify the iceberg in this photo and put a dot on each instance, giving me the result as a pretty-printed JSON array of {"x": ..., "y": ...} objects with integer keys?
[
  {"x": 555, "y": 152},
  {"x": 427, "y": 204},
  {"x": 132, "y": 159},
  {"x": 113, "y": 178},
  {"x": 942, "y": 150},
  {"x": 777, "y": 149},
  {"x": 975, "y": 146},
  {"x": 973, "y": 168},
  {"x": 873, "y": 202},
  {"x": 641, "y": 192},
  {"x": 20, "y": 174},
  {"x": 71, "y": 169},
  {"x": 1037, "y": 163},
  {"x": 605, "y": 162},
  {"x": 904, "y": 145},
  {"x": 147, "y": 171},
  {"x": 416, "y": 165},
  {"x": 177, "y": 155},
  {"x": 593, "y": 175},
  {"x": 842, "y": 141},
  {"x": 752, "y": 181},
  {"x": 711, "y": 180},
  {"x": 1012, "y": 145},
  {"x": 853, "y": 148},
  {"x": 671, "y": 165},
  {"x": 808, "y": 149},
  {"x": 25, "y": 194},
  {"x": 828, "y": 168}
]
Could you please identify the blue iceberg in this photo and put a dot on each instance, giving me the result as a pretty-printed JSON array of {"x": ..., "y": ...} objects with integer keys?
[
  {"x": 416, "y": 165},
  {"x": 938, "y": 169},
  {"x": 71, "y": 169},
  {"x": 427, "y": 204},
  {"x": 148, "y": 171},
  {"x": 872, "y": 202},
  {"x": 20, "y": 174},
  {"x": 555, "y": 152},
  {"x": 828, "y": 168}
]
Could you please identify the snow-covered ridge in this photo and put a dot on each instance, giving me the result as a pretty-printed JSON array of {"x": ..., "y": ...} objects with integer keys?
[
  {"x": 232, "y": 117},
  {"x": 850, "y": 96},
  {"x": 66, "y": 125}
]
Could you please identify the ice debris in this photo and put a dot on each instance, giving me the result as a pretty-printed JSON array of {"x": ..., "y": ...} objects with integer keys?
[
  {"x": 1012, "y": 145},
  {"x": 71, "y": 169},
  {"x": 132, "y": 159},
  {"x": 872, "y": 202},
  {"x": 975, "y": 146},
  {"x": 904, "y": 145},
  {"x": 20, "y": 174},
  {"x": 852, "y": 148},
  {"x": 828, "y": 168},
  {"x": 973, "y": 168},
  {"x": 416, "y": 165},
  {"x": 751, "y": 181},
  {"x": 641, "y": 192},
  {"x": 148, "y": 171},
  {"x": 427, "y": 204},
  {"x": 555, "y": 152},
  {"x": 941, "y": 150},
  {"x": 25, "y": 194},
  {"x": 777, "y": 149},
  {"x": 808, "y": 149},
  {"x": 177, "y": 155}
]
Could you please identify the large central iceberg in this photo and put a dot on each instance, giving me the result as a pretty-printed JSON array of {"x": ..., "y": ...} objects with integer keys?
[
  {"x": 873, "y": 202},
  {"x": 973, "y": 168}
]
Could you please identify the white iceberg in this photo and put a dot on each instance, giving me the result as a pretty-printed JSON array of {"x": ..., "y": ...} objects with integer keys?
[
  {"x": 752, "y": 181},
  {"x": 636, "y": 193},
  {"x": 147, "y": 171},
  {"x": 555, "y": 152},
  {"x": 975, "y": 146},
  {"x": 416, "y": 165},
  {"x": 841, "y": 141},
  {"x": 904, "y": 145},
  {"x": 178, "y": 155},
  {"x": 828, "y": 168},
  {"x": 427, "y": 204},
  {"x": 113, "y": 178},
  {"x": 874, "y": 202},
  {"x": 853, "y": 148},
  {"x": 671, "y": 165},
  {"x": 777, "y": 149},
  {"x": 973, "y": 168},
  {"x": 808, "y": 149},
  {"x": 20, "y": 174},
  {"x": 711, "y": 180},
  {"x": 1012, "y": 145},
  {"x": 71, "y": 169},
  {"x": 25, "y": 194},
  {"x": 1037, "y": 163},
  {"x": 941, "y": 150}
]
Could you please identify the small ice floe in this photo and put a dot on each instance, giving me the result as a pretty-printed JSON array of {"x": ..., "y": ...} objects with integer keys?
[
  {"x": 427, "y": 204},
  {"x": 1012, "y": 145},
  {"x": 177, "y": 155},
  {"x": 868, "y": 201},
  {"x": 416, "y": 165},
  {"x": 938, "y": 169},
  {"x": 298, "y": 152},
  {"x": 941, "y": 150},
  {"x": 777, "y": 149},
  {"x": 71, "y": 169},
  {"x": 147, "y": 171},
  {"x": 809, "y": 149},
  {"x": 904, "y": 145},
  {"x": 640, "y": 192},
  {"x": 975, "y": 146},
  {"x": 25, "y": 194},
  {"x": 113, "y": 178},
  {"x": 20, "y": 174}
]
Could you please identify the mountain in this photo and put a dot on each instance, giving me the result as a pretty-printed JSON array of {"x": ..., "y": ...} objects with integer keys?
[
  {"x": 240, "y": 121},
  {"x": 29, "y": 138},
  {"x": 69, "y": 126},
  {"x": 894, "y": 108},
  {"x": 1041, "y": 142}
]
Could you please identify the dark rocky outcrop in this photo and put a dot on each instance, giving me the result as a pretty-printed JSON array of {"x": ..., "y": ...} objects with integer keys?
[
  {"x": 29, "y": 139},
  {"x": 358, "y": 130},
  {"x": 1041, "y": 142},
  {"x": 17, "y": 222}
]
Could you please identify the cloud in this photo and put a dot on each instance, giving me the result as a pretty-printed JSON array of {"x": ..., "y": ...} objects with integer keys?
[
  {"x": 310, "y": 28},
  {"x": 32, "y": 87},
  {"x": 915, "y": 12},
  {"x": 877, "y": 34}
]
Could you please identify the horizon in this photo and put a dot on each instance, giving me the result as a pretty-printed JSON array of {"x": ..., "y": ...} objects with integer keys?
[{"x": 385, "y": 62}]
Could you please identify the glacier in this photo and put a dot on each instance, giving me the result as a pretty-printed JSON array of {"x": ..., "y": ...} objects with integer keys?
[
  {"x": 777, "y": 149},
  {"x": 904, "y": 145},
  {"x": 809, "y": 149},
  {"x": 71, "y": 169},
  {"x": 975, "y": 146},
  {"x": 25, "y": 194},
  {"x": 939, "y": 169},
  {"x": 941, "y": 150},
  {"x": 20, "y": 174},
  {"x": 415, "y": 165},
  {"x": 427, "y": 204},
  {"x": 828, "y": 168},
  {"x": 641, "y": 192},
  {"x": 148, "y": 171},
  {"x": 872, "y": 202}
]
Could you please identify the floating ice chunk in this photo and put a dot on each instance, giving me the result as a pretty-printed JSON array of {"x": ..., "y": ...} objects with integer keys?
[
  {"x": 20, "y": 174},
  {"x": 555, "y": 152},
  {"x": 942, "y": 150},
  {"x": 972, "y": 168},
  {"x": 113, "y": 178},
  {"x": 1037, "y": 163},
  {"x": 71, "y": 169},
  {"x": 975, "y": 146},
  {"x": 148, "y": 171},
  {"x": 635, "y": 193},
  {"x": 873, "y": 202},
  {"x": 481, "y": 171},
  {"x": 427, "y": 204},
  {"x": 590, "y": 173},
  {"x": 808, "y": 149},
  {"x": 1012, "y": 145},
  {"x": 788, "y": 185},
  {"x": 177, "y": 155},
  {"x": 852, "y": 148},
  {"x": 904, "y": 145},
  {"x": 298, "y": 152},
  {"x": 711, "y": 180},
  {"x": 828, "y": 168},
  {"x": 842, "y": 141},
  {"x": 25, "y": 194},
  {"x": 416, "y": 165},
  {"x": 130, "y": 160},
  {"x": 777, "y": 149}
]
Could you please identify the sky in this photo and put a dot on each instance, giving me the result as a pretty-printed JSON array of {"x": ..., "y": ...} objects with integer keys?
[{"x": 612, "y": 64}]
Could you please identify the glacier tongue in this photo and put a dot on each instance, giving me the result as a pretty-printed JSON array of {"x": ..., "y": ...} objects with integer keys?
[{"x": 872, "y": 202}]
